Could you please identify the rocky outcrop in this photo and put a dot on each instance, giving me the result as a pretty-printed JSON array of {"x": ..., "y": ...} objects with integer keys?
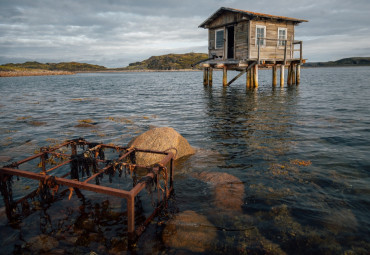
[
  {"x": 191, "y": 231},
  {"x": 228, "y": 189},
  {"x": 160, "y": 139},
  {"x": 42, "y": 243}
]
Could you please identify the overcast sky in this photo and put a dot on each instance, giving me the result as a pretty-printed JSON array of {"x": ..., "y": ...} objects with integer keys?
[{"x": 115, "y": 33}]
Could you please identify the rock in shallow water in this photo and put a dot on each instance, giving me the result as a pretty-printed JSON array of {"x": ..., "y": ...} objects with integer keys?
[
  {"x": 191, "y": 231},
  {"x": 160, "y": 139},
  {"x": 228, "y": 189},
  {"x": 42, "y": 243}
]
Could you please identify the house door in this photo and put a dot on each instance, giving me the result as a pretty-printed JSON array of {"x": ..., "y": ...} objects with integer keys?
[{"x": 230, "y": 42}]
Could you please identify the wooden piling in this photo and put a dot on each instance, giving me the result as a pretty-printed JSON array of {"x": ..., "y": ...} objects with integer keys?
[
  {"x": 298, "y": 75},
  {"x": 255, "y": 76},
  {"x": 248, "y": 78},
  {"x": 289, "y": 81},
  {"x": 224, "y": 80},
  {"x": 205, "y": 76},
  {"x": 274, "y": 75},
  {"x": 293, "y": 74},
  {"x": 282, "y": 75},
  {"x": 210, "y": 76}
]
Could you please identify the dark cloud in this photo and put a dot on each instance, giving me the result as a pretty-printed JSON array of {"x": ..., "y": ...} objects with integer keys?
[{"x": 115, "y": 33}]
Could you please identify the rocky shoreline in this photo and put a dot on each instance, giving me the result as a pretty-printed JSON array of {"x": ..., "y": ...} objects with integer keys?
[{"x": 33, "y": 73}]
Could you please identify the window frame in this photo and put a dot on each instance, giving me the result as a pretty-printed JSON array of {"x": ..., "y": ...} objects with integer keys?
[
  {"x": 223, "y": 38},
  {"x": 264, "y": 36},
  {"x": 280, "y": 42}
]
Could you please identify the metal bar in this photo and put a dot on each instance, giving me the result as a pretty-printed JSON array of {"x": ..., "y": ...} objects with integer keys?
[
  {"x": 107, "y": 167},
  {"x": 68, "y": 182},
  {"x": 62, "y": 164}
]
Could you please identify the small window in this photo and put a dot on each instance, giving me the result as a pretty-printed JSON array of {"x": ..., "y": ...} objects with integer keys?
[
  {"x": 219, "y": 38},
  {"x": 282, "y": 36},
  {"x": 260, "y": 35}
]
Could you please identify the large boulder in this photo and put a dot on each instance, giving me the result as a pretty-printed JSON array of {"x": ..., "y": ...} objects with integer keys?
[
  {"x": 191, "y": 231},
  {"x": 228, "y": 190},
  {"x": 160, "y": 139}
]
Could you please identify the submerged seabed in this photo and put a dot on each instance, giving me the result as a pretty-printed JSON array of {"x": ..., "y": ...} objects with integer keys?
[{"x": 283, "y": 170}]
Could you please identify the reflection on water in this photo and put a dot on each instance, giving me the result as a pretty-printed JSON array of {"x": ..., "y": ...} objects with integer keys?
[{"x": 277, "y": 170}]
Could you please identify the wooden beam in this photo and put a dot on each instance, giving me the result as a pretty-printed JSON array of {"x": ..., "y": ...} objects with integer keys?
[
  {"x": 293, "y": 74},
  {"x": 241, "y": 73},
  {"x": 236, "y": 77}
]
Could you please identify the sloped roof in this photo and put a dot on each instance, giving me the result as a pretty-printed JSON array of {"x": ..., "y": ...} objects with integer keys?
[{"x": 248, "y": 13}]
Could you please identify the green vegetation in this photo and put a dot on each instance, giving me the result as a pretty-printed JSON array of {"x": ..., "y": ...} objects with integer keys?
[
  {"x": 63, "y": 66},
  {"x": 354, "y": 61},
  {"x": 167, "y": 62}
]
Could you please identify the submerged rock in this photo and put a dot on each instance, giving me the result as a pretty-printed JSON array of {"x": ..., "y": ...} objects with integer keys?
[
  {"x": 42, "y": 243},
  {"x": 191, "y": 231},
  {"x": 160, "y": 139},
  {"x": 228, "y": 189}
]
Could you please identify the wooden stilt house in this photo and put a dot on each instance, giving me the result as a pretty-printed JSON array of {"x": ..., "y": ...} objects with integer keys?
[{"x": 243, "y": 40}]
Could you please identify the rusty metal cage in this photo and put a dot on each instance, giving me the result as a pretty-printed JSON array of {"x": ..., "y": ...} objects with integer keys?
[{"x": 89, "y": 160}]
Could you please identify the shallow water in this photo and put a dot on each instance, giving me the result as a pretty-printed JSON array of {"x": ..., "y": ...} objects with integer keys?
[{"x": 301, "y": 154}]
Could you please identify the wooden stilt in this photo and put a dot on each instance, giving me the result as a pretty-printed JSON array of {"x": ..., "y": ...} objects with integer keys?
[
  {"x": 282, "y": 75},
  {"x": 289, "y": 81},
  {"x": 298, "y": 74},
  {"x": 248, "y": 78},
  {"x": 255, "y": 76},
  {"x": 293, "y": 74},
  {"x": 210, "y": 76},
  {"x": 205, "y": 76},
  {"x": 224, "y": 80},
  {"x": 274, "y": 75}
]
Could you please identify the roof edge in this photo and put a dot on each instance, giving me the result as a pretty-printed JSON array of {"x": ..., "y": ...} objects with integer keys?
[{"x": 252, "y": 14}]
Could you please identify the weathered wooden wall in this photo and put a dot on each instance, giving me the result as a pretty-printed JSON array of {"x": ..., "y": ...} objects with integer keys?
[
  {"x": 245, "y": 37},
  {"x": 271, "y": 50}
]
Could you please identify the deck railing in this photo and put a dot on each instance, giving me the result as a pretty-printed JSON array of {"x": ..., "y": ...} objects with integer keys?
[{"x": 288, "y": 51}]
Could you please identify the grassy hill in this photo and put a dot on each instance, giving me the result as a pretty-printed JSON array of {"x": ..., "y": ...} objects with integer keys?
[
  {"x": 354, "y": 61},
  {"x": 168, "y": 62},
  {"x": 63, "y": 66}
]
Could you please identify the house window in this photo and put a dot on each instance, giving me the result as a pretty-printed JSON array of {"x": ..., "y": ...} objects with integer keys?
[
  {"x": 260, "y": 35},
  {"x": 282, "y": 36},
  {"x": 219, "y": 38}
]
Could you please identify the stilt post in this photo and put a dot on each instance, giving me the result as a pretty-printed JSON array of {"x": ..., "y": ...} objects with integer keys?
[
  {"x": 224, "y": 80},
  {"x": 298, "y": 74},
  {"x": 289, "y": 81},
  {"x": 210, "y": 76},
  {"x": 293, "y": 74},
  {"x": 274, "y": 75},
  {"x": 255, "y": 76},
  {"x": 282, "y": 75},
  {"x": 248, "y": 77},
  {"x": 205, "y": 76}
]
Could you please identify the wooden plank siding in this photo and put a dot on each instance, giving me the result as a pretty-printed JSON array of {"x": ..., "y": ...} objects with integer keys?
[
  {"x": 245, "y": 47},
  {"x": 271, "y": 50}
]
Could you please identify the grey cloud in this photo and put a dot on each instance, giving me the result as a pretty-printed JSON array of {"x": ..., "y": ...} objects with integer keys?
[{"x": 120, "y": 32}]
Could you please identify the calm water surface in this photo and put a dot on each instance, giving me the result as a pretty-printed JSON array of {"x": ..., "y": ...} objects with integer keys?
[{"x": 301, "y": 154}]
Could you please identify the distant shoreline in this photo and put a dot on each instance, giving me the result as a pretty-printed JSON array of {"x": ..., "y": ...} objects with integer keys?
[
  {"x": 47, "y": 72},
  {"x": 33, "y": 73}
]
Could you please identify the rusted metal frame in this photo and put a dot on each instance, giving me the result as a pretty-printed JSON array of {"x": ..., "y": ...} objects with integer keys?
[
  {"x": 107, "y": 167},
  {"x": 141, "y": 185},
  {"x": 128, "y": 195}
]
